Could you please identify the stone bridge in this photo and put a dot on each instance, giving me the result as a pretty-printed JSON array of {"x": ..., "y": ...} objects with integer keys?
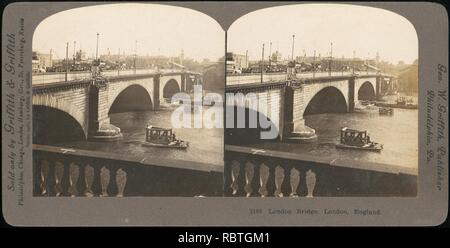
[
  {"x": 81, "y": 108},
  {"x": 289, "y": 100}
]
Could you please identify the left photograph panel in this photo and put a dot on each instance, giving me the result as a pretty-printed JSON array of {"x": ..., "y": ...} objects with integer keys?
[{"x": 127, "y": 101}]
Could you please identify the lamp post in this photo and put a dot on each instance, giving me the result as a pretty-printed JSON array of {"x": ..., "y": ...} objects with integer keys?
[
  {"x": 118, "y": 63},
  {"x": 331, "y": 58},
  {"x": 262, "y": 63},
  {"x": 74, "y": 52},
  {"x": 293, "y": 42},
  {"x": 96, "y": 49},
  {"x": 270, "y": 54},
  {"x": 246, "y": 59},
  {"x": 135, "y": 54},
  {"x": 314, "y": 64},
  {"x": 67, "y": 60},
  {"x": 367, "y": 63},
  {"x": 353, "y": 62}
]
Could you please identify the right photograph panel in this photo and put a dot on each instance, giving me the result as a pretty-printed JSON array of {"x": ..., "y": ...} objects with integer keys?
[{"x": 321, "y": 100}]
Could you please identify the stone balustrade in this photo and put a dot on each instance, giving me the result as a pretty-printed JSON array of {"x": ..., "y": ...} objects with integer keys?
[
  {"x": 260, "y": 173},
  {"x": 68, "y": 172}
]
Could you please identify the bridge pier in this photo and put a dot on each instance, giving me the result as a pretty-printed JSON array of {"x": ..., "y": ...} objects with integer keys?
[
  {"x": 294, "y": 128},
  {"x": 379, "y": 88},
  {"x": 386, "y": 85},
  {"x": 351, "y": 94},
  {"x": 183, "y": 82},
  {"x": 100, "y": 128},
  {"x": 302, "y": 133},
  {"x": 156, "y": 96}
]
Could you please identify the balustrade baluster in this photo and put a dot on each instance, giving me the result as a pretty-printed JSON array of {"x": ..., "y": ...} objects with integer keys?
[
  {"x": 235, "y": 169},
  {"x": 264, "y": 178},
  {"x": 59, "y": 173},
  {"x": 104, "y": 181},
  {"x": 279, "y": 178},
  {"x": 249, "y": 173},
  {"x": 294, "y": 179},
  {"x": 310, "y": 182},
  {"x": 227, "y": 178},
  {"x": 121, "y": 180},
  {"x": 74, "y": 175},
  {"x": 89, "y": 179},
  {"x": 45, "y": 172}
]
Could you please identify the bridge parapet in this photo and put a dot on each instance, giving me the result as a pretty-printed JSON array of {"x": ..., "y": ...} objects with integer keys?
[
  {"x": 61, "y": 171},
  {"x": 59, "y": 77},
  {"x": 261, "y": 173},
  {"x": 254, "y": 78},
  {"x": 250, "y": 87},
  {"x": 60, "y": 86}
]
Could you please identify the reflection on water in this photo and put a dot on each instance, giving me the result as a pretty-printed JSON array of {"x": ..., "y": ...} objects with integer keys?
[
  {"x": 205, "y": 145},
  {"x": 398, "y": 133}
]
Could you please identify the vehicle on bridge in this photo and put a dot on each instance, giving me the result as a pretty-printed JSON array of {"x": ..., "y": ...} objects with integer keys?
[
  {"x": 162, "y": 137},
  {"x": 231, "y": 68},
  {"x": 356, "y": 139}
]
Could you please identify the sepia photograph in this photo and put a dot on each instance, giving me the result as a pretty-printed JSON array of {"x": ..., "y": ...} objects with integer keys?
[
  {"x": 205, "y": 113},
  {"x": 321, "y": 100},
  {"x": 121, "y": 99}
]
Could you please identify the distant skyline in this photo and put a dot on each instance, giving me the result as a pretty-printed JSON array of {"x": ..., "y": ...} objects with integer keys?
[
  {"x": 158, "y": 30},
  {"x": 365, "y": 30}
]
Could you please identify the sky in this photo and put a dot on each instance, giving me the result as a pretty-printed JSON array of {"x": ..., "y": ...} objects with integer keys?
[
  {"x": 364, "y": 30},
  {"x": 158, "y": 30}
]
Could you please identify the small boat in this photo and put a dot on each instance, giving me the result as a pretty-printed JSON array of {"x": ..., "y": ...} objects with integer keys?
[
  {"x": 386, "y": 111},
  {"x": 162, "y": 137},
  {"x": 359, "y": 140}
]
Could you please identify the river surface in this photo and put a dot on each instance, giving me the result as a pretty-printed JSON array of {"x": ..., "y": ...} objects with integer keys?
[
  {"x": 398, "y": 133},
  {"x": 205, "y": 144}
]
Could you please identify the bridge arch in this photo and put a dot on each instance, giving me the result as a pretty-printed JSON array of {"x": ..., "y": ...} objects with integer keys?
[
  {"x": 366, "y": 91},
  {"x": 170, "y": 88},
  {"x": 133, "y": 97},
  {"x": 252, "y": 134},
  {"x": 49, "y": 102},
  {"x": 54, "y": 125},
  {"x": 327, "y": 100}
]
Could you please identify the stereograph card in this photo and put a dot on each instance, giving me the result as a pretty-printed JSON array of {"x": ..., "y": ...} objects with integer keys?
[{"x": 224, "y": 114}]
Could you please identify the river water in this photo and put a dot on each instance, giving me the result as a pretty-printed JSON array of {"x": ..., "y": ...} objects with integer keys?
[
  {"x": 398, "y": 133},
  {"x": 205, "y": 144}
]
